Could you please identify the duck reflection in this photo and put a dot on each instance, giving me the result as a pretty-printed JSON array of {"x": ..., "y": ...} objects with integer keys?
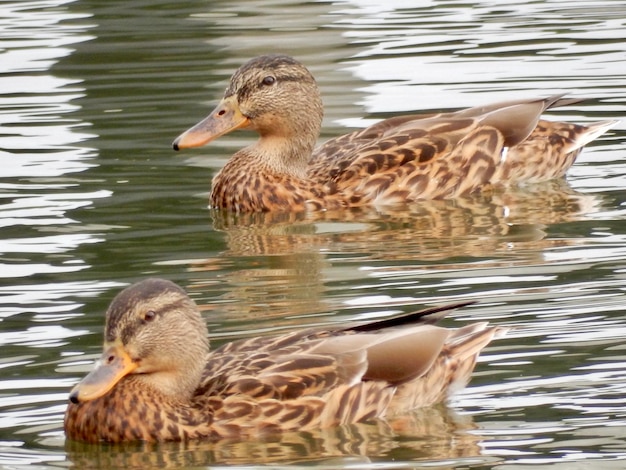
[
  {"x": 435, "y": 229},
  {"x": 436, "y": 433},
  {"x": 283, "y": 265}
]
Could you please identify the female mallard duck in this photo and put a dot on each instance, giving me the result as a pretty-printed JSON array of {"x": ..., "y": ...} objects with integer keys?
[
  {"x": 401, "y": 159},
  {"x": 157, "y": 381}
]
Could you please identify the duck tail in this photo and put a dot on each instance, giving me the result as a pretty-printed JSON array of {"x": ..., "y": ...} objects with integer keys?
[
  {"x": 590, "y": 133},
  {"x": 450, "y": 372}
]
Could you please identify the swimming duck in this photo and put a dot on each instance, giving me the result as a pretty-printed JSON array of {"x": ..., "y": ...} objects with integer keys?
[
  {"x": 404, "y": 158},
  {"x": 157, "y": 381}
]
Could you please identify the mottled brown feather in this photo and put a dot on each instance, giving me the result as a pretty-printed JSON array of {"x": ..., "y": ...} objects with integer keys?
[
  {"x": 404, "y": 158},
  {"x": 300, "y": 380}
]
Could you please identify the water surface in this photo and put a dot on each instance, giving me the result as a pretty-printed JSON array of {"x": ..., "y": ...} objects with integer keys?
[{"x": 93, "y": 198}]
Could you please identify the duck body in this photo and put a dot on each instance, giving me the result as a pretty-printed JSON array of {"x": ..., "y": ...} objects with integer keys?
[
  {"x": 398, "y": 160},
  {"x": 157, "y": 380}
]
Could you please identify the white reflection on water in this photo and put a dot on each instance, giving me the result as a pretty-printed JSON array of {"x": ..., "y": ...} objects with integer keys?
[
  {"x": 49, "y": 302},
  {"x": 494, "y": 56},
  {"x": 29, "y": 208},
  {"x": 41, "y": 141}
]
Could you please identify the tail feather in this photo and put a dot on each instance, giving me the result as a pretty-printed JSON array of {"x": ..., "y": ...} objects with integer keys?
[
  {"x": 471, "y": 339},
  {"x": 591, "y": 132},
  {"x": 450, "y": 372}
]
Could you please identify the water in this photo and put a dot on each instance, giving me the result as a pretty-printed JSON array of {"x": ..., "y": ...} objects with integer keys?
[{"x": 93, "y": 198}]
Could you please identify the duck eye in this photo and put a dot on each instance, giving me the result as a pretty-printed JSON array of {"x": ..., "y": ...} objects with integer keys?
[
  {"x": 149, "y": 315},
  {"x": 269, "y": 80}
]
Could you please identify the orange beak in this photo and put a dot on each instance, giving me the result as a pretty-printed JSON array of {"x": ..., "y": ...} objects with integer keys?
[
  {"x": 114, "y": 364},
  {"x": 226, "y": 117}
]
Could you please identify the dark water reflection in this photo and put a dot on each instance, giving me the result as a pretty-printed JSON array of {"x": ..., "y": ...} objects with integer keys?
[{"x": 93, "y": 198}]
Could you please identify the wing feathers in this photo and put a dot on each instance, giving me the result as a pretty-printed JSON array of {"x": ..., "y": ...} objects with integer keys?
[
  {"x": 403, "y": 356},
  {"x": 427, "y": 316},
  {"x": 322, "y": 378}
]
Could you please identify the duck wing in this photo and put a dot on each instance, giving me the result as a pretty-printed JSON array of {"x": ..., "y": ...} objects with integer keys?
[
  {"x": 316, "y": 361},
  {"x": 450, "y": 154}
]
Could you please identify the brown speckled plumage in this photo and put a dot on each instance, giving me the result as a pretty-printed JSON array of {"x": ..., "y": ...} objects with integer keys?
[
  {"x": 157, "y": 380},
  {"x": 397, "y": 160}
]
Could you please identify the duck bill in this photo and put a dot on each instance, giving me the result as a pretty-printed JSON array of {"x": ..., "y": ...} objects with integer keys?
[
  {"x": 225, "y": 118},
  {"x": 114, "y": 364}
]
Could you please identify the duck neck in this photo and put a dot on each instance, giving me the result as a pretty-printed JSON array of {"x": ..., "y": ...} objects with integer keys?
[
  {"x": 284, "y": 155},
  {"x": 176, "y": 386}
]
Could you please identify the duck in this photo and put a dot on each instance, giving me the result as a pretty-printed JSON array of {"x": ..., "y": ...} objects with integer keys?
[
  {"x": 395, "y": 161},
  {"x": 157, "y": 380}
]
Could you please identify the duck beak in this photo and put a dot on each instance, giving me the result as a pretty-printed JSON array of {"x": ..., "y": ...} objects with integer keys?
[
  {"x": 114, "y": 364},
  {"x": 226, "y": 117}
]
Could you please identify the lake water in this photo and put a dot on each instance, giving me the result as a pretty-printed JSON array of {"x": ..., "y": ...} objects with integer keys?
[{"x": 93, "y": 198}]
